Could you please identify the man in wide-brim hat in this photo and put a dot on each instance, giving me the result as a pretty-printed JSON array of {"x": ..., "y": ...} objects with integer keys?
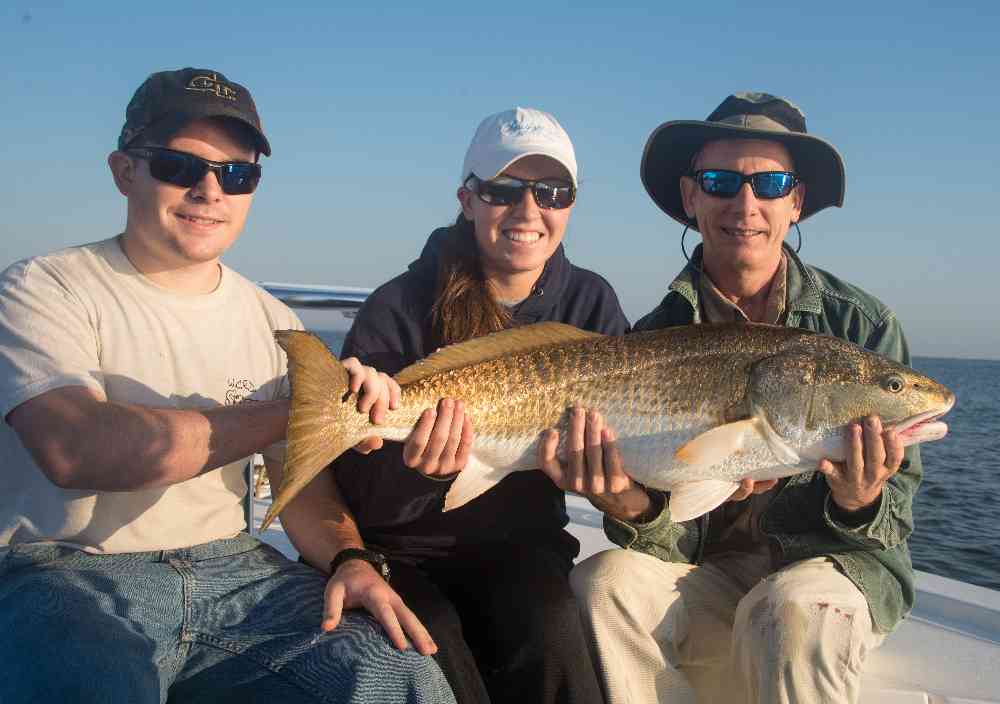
[
  {"x": 744, "y": 116},
  {"x": 777, "y": 594}
]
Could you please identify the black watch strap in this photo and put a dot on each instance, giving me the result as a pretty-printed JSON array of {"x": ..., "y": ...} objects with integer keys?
[{"x": 375, "y": 559}]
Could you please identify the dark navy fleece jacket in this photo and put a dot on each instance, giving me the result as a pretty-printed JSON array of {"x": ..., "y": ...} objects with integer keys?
[{"x": 398, "y": 510}]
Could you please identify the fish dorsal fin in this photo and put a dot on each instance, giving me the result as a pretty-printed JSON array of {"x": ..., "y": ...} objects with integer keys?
[{"x": 492, "y": 346}]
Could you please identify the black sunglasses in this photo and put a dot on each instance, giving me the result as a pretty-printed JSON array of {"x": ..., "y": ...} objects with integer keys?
[
  {"x": 185, "y": 170},
  {"x": 549, "y": 193},
  {"x": 766, "y": 185}
]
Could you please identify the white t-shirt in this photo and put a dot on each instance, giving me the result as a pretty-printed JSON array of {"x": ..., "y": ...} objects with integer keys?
[{"x": 85, "y": 316}]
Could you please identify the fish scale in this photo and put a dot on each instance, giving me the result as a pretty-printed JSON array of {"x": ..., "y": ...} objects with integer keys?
[{"x": 695, "y": 409}]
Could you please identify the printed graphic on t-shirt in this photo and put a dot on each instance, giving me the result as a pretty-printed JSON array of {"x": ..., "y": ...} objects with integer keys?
[{"x": 239, "y": 389}]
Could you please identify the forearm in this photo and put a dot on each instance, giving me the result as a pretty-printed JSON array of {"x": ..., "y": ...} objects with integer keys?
[
  {"x": 84, "y": 443},
  {"x": 318, "y": 522}
]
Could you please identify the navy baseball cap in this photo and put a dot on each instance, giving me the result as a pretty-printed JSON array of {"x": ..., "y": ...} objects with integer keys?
[{"x": 167, "y": 100}]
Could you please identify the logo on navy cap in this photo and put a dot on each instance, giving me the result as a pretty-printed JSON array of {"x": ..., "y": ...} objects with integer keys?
[{"x": 212, "y": 84}]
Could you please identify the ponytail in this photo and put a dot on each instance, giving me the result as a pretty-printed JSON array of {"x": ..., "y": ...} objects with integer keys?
[{"x": 464, "y": 307}]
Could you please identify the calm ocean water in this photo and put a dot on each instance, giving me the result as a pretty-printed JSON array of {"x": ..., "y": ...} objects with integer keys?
[{"x": 957, "y": 515}]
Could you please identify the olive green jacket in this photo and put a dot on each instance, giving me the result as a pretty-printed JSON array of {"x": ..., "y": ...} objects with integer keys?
[{"x": 800, "y": 522}]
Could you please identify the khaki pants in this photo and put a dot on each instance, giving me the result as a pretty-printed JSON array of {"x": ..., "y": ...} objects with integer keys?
[{"x": 725, "y": 631}]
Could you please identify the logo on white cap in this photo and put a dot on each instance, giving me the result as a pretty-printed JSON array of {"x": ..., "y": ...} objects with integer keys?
[{"x": 505, "y": 137}]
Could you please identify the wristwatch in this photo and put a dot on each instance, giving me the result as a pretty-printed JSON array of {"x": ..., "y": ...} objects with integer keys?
[{"x": 375, "y": 559}]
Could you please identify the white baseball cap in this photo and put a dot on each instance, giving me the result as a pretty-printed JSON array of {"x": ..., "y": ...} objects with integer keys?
[{"x": 505, "y": 137}]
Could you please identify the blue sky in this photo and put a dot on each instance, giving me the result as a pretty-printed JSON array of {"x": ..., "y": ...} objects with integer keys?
[{"x": 370, "y": 109}]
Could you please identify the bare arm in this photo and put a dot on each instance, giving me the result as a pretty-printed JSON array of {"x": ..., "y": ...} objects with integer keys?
[
  {"x": 318, "y": 521},
  {"x": 320, "y": 525},
  {"x": 82, "y": 441}
]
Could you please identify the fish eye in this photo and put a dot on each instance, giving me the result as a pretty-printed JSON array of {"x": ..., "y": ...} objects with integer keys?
[{"x": 894, "y": 384}]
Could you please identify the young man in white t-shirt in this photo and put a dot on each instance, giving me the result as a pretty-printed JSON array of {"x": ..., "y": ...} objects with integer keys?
[{"x": 125, "y": 574}]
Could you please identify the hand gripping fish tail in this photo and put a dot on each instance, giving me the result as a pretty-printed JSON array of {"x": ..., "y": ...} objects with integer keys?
[{"x": 323, "y": 421}]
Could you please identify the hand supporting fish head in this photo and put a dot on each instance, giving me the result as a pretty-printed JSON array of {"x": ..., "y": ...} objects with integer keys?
[{"x": 810, "y": 395}]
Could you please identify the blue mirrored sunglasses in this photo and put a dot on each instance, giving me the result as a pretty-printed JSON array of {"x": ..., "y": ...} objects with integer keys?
[{"x": 767, "y": 185}]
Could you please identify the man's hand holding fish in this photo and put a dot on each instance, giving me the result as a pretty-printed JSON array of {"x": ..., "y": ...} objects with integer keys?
[
  {"x": 593, "y": 466},
  {"x": 875, "y": 454}
]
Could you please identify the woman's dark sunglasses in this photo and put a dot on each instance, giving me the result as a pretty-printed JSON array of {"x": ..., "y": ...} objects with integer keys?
[
  {"x": 549, "y": 194},
  {"x": 185, "y": 170},
  {"x": 767, "y": 185}
]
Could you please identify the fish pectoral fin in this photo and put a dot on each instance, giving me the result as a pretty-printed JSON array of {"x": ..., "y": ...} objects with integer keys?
[
  {"x": 718, "y": 444},
  {"x": 476, "y": 479},
  {"x": 692, "y": 499}
]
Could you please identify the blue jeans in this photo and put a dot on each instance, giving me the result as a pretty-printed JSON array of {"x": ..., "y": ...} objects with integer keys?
[{"x": 228, "y": 621}]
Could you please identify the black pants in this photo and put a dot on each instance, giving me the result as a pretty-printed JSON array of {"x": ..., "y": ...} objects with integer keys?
[{"x": 506, "y": 625}]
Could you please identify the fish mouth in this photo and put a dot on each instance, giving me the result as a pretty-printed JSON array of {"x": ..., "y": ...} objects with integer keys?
[{"x": 923, "y": 427}]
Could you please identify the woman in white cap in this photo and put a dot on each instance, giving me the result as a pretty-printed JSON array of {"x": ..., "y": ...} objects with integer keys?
[{"x": 489, "y": 580}]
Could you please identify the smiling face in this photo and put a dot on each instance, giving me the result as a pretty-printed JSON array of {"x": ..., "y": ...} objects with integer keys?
[
  {"x": 516, "y": 240},
  {"x": 173, "y": 229},
  {"x": 743, "y": 233}
]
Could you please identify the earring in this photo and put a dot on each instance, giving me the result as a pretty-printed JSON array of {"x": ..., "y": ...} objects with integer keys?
[{"x": 684, "y": 250}]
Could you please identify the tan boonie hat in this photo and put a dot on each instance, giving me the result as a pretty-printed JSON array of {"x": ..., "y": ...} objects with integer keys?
[{"x": 672, "y": 145}]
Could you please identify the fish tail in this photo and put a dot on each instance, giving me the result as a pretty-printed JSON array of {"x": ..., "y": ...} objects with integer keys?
[{"x": 322, "y": 422}]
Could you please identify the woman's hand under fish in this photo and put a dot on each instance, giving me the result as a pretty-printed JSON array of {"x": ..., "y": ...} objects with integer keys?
[
  {"x": 440, "y": 442},
  {"x": 377, "y": 393},
  {"x": 356, "y": 585},
  {"x": 593, "y": 466},
  {"x": 874, "y": 454}
]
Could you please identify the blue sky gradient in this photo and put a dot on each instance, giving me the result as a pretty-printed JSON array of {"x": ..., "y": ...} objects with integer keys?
[{"x": 369, "y": 111}]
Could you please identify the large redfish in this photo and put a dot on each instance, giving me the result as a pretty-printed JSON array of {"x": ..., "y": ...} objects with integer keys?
[{"x": 695, "y": 408}]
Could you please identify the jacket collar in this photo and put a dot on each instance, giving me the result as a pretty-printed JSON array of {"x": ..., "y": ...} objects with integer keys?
[
  {"x": 802, "y": 290},
  {"x": 548, "y": 290}
]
